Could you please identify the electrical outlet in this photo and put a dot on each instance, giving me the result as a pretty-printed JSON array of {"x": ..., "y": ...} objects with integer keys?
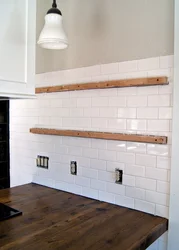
[
  {"x": 119, "y": 176},
  {"x": 42, "y": 162},
  {"x": 73, "y": 167}
]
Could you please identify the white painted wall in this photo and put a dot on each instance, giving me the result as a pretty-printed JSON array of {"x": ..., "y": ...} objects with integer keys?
[
  {"x": 145, "y": 110},
  {"x": 108, "y": 31},
  {"x": 174, "y": 198}
]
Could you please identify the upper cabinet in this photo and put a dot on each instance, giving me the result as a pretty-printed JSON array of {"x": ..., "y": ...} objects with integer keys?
[{"x": 17, "y": 48}]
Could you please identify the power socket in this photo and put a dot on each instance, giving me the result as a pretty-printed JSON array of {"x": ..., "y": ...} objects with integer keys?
[
  {"x": 42, "y": 162},
  {"x": 73, "y": 167},
  {"x": 119, "y": 176}
]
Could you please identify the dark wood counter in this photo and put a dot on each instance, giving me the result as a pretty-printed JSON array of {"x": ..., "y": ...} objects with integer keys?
[{"x": 57, "y": 220}]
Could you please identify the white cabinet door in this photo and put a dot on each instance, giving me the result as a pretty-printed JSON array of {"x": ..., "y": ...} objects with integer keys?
[{"x": 17, "y": 48}]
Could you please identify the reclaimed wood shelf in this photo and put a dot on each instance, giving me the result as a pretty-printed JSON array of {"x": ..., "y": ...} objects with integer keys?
[
  {"x": 56, "y": 220},
  {"x": 139, "y": 82},
  {"x": 102, "y": 135}
]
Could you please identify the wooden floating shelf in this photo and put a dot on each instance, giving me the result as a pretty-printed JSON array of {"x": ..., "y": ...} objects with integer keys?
[
  {"x": 139, "y": 82},
  {"x": 102, "y": 135}
]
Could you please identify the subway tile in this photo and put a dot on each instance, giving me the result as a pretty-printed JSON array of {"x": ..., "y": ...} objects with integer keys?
[
  {"x": 157, "y": 198},
  {"x": 74, "y": 150},
  {"x": 129, "y": 113},
  {"x": 136, "y": 125},
  {"x": 163, "y": 187},
  {"x": 117, "y": 101},
  {"x": 159, "y": 150},
  {"x": 119, "y": 124},
  {"x": 135, "y": 147},
  {"x": 76, "y": 142},
  {"x": 136, "y": 193},
  {"x": 89, "y": 192},
  {"x": 91, "y": 112},
  {"x": 168, "y": 89},
  {"x": 99, "y": 123},
  {"x": 108, "y": 92},
  {"x": 157, "y": 174},
  {"x": 159, "y": 72},
  {"x": 115, "y": 188},
  {"x": 151, "y": 90},
  {"x": 162, "y": 211},
  {"x": 111, "y": 166},
  {"x": 107, "y": 197},
  {"x": 69, "y": 103},
  {"x": 82, "y": 181},
  {"x": 76, "y": 122},
  {"x": 165, "y": 113},
  {"x": 111, "y": 68},
  {"x": 144, "y": 206},
  {"x": 109, "y": 112},
  {"x": 60, "y": 149},
  {"x": 124, "y": 201},
  {"x": 146, "y": 160},
  {"x": 75, "y": 189},
  {"x": 149, "y": 63},
  {"x": 90, "y": 152},
  {"x": 99, "y": 185},
  {"x": 146, "y": 183},
  {"x": 147, "y": 113},
  {"x": 137, "y": 101},
  {"x": 83, "y": 102},
  {"x": 64, "y": 177},
  {"x": 43, "y": 181},
  {"x": 56, "y": 121},
  {"x": 128, "y": 180},
  {"x": 166, "y": 62},
  {"x": 129, "y": 66},
  {"x": 98, "y": 164},
  {"x": 44, "y": 121},
  {"x": 106, "y": 176},
  {"x": 92, "y": 71},
  {"x": 60, "y": 112},
  {"x": 126, "y": 157},
  {"x": 76, "y": 112},
  {"x": 119, "y": 76},
  {"x": 100, "y": 101},
  {"x": 132, "y": 91},
  {"x": 116, "y": 145},
  {"x": 159, "y": 100},
  {"x": 136, "y": 74},
  {"x": 82, "y": 161},
  {"x": 101, "y": 144},
  {"x": 90, "y": 173},
  {"x": 135, "y": 170},
  {"x": 163, "y": 162},
  {"x": 61, "y": 186},
  {"x": 158, "y": 125}
]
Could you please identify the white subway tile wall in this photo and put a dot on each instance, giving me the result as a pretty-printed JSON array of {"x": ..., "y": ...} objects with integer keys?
[{"x": 145, "y": 110}]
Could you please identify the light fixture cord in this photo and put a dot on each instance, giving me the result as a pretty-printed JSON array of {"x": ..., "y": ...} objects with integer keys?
[{"x": 54, "y": 5}]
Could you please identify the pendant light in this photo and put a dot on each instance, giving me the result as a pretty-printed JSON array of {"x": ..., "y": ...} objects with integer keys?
[{"x": 53, "y": 35}]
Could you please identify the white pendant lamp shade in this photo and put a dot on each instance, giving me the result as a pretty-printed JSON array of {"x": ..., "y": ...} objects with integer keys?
[{"x": 53, "y": 35}]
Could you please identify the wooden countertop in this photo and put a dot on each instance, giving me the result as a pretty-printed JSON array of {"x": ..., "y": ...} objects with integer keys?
[{"x": 57, "y": 220}]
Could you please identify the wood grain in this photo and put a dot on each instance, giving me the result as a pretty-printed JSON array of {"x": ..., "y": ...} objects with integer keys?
[
  {"x": 139, "y": 82},
  {"x": 102, "y": 135},
  {"x": 57, "y": 220}
]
